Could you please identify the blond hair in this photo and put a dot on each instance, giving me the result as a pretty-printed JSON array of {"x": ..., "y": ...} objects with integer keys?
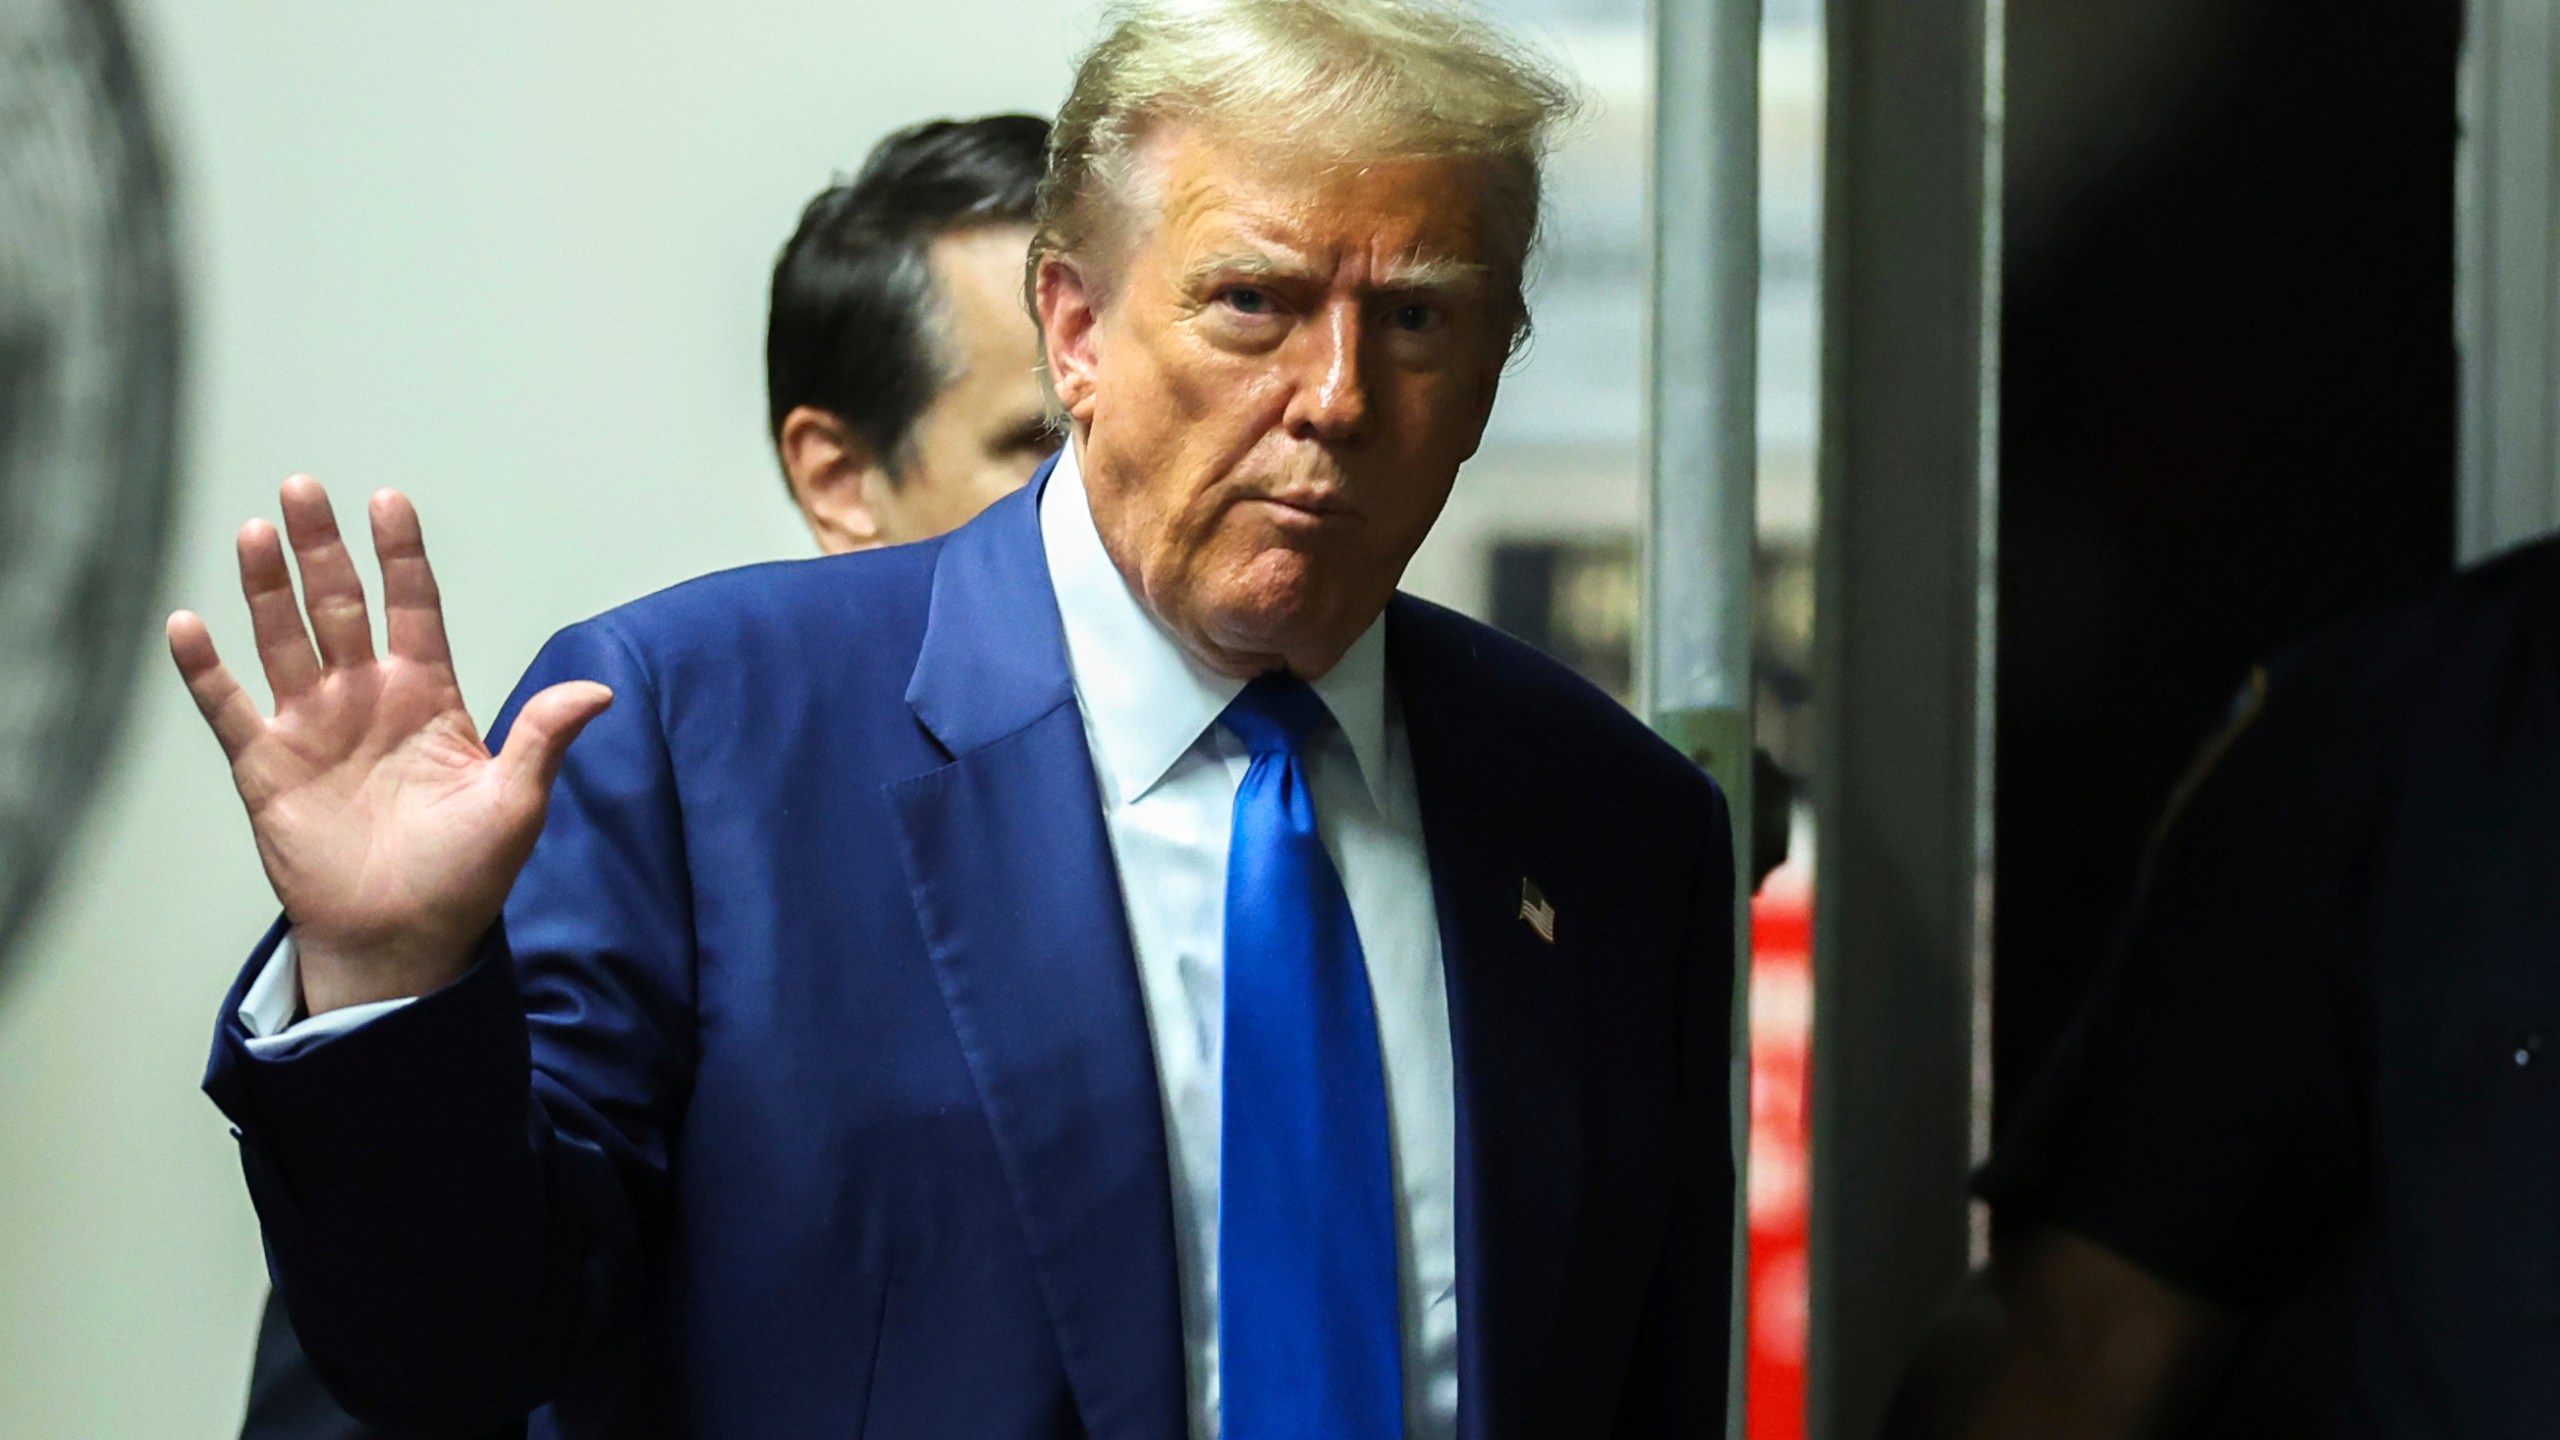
[{"x": 1350, "y": 80}]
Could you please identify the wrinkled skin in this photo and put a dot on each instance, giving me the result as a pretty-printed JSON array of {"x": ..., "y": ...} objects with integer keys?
[{"x": 1274, "y": 386}]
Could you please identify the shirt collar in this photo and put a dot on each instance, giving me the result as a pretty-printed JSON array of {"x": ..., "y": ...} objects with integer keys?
[{"x": 1146, "y": 700}]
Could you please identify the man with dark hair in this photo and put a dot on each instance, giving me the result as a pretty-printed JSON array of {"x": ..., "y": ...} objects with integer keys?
[
  {"x": 901, "y": 374},
  {"x": 901, "y": 369}
]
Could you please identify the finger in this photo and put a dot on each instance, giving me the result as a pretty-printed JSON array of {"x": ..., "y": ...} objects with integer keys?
[
  {"x": 543, "y": 729},
  {"x": 412, "y": 608},
  {"x": 225, "y": 706},
  {"x": 266, "y": 582},
  {"x": 331, "y": 591}
]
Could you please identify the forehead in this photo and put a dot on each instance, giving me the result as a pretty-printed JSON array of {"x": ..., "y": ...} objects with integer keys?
[
  {"x": 978, "y": 273},
  {"x": 979, "y": 270},
  {"x": 1274, "y": 198}
]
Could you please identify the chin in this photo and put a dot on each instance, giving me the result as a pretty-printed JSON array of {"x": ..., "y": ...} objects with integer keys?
[{"x": 1263, "y": 603}]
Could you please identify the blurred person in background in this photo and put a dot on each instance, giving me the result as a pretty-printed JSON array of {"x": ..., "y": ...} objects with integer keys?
[
  {"x": 902, "y": 381},
  {"x": 902, "y": 372},
  {"x": 914, "y": 993},
  {"x": 2324, "y": 1063}
]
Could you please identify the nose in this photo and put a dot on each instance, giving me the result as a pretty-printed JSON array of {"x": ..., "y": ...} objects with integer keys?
[{"x": 1330, "y": 403}]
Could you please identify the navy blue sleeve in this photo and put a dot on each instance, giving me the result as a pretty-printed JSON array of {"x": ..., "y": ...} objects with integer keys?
[
  {"x": 288, "y": 1402},
  {"x": 464, "y": 1200},
  {"x": 2204, "y": 1117}
]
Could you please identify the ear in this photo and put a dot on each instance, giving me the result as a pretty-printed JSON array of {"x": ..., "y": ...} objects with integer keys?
[
  {"x": 1069, "y": 309},
  {"x": 835, "y": 476}
]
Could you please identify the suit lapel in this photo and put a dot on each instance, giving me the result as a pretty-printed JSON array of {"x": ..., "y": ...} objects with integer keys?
[
  {"x": 1519, "y": 1096},
  {"x": 1021, "y": 911}
]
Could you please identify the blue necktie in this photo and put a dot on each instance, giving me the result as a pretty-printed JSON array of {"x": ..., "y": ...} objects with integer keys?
[{"x": 1308, "y": 1342}]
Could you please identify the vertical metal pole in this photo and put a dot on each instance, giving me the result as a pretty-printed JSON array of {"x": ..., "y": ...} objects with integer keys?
[
  {"x": 1702, "y": 438},
  {"x": 1905, "y": 569},
  {"x": 2506, "y": 277},
  {"x": 1702, "y": 452}
]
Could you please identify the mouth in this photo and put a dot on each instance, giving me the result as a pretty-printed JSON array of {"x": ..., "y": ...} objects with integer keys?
[{"x": 1313, "y": 504}]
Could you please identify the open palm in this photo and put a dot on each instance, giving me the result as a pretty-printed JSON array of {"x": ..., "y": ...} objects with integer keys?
[{"x": 390, "y": 833}]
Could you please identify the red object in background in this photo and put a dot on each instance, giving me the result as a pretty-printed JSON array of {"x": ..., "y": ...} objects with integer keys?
[{"x": 1781, "y": 1039}]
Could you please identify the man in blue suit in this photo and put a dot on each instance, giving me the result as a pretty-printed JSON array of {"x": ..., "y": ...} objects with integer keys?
[
  {"x": 901, "y": 403},
  {"x": 1119, "y": 970}
]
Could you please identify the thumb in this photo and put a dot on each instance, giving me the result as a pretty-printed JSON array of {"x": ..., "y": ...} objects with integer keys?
[{"x": 540, "y": 737}]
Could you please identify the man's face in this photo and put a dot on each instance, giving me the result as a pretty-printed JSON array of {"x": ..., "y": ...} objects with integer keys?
[
  {"x": 987, "y": 431},
  {"x": 979, "y": 439},
  {"x": 1275, "y": 384}
]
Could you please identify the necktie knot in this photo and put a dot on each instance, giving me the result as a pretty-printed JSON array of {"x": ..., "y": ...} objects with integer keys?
[{"x": 1274, "y": 714}]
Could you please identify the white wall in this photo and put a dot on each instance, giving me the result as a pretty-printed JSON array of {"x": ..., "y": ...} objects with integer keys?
[{"x": 509, "y": 258}]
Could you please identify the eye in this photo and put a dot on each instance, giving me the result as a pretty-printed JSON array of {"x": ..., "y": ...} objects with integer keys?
[
  {"x": 1247, "y": 299},
  {"x": 1413, "y": 316}
]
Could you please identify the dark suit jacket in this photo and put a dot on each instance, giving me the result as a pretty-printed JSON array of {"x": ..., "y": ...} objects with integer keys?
[
  {"x": 2315, "y": 1083},
  {"x": 805, "y": 1087},
  {"x": 287, "y": 1400}
]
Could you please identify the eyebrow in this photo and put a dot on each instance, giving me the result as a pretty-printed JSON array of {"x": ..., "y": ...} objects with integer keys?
[
  {"x": 1245, "y": 265},
  {"x": 1413, "y": 275},
  {"x": 1437, "y": 276}
]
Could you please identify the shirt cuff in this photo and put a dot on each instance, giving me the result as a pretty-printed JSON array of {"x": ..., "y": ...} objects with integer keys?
[{"x": 269, "y": 1010}]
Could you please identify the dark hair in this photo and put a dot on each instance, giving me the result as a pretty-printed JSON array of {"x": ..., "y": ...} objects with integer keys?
[{"x": 855, "y": 324}]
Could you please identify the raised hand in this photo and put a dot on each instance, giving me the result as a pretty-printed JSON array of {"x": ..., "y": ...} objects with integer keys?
[{"x": 388, "y": 830}]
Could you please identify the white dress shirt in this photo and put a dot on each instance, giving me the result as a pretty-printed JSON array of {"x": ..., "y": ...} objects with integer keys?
[{"x": 1168, "y": 773}]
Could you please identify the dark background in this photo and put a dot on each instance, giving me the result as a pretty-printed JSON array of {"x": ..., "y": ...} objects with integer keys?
[
  {"x": 2227, "y": 417},
  {"x": 2228, "y": 420}
]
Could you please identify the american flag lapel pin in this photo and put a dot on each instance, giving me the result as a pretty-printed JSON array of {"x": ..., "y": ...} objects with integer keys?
[{"x": 1539, "y": 911}]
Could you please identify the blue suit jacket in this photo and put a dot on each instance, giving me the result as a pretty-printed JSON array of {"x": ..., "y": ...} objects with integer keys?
[{"x": 805, "y": 1088}]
